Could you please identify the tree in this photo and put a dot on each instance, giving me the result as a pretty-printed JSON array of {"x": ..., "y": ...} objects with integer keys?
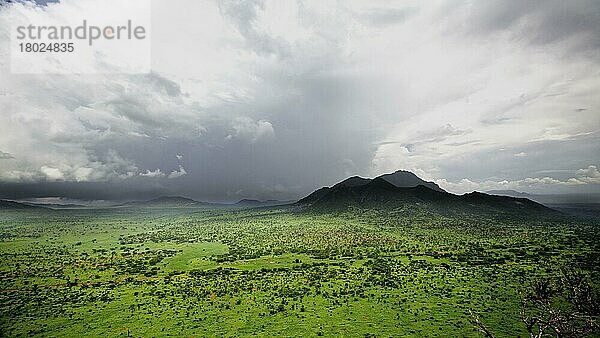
[{"x": 567, "y": 307}]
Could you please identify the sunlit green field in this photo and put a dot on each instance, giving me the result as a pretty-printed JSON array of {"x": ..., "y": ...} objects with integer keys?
[{"x": 181, "y": 272}]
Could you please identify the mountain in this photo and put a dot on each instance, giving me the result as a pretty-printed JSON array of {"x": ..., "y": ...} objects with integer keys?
[
  {"x": 354, "y": 181},
  {"x": 11, "y": 205},
  {"x": 376, "y": 193},
  {"x": 398, "y": 179},
  {"x": 380, "y": 193},
  {"x": 315, "y": 196},
  {"x": 406, "y": 179},
  {"x": 506, "y": 203}
]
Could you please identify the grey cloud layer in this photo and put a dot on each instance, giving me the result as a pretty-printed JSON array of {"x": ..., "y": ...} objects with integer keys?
[{"x": 283, "y": 97}]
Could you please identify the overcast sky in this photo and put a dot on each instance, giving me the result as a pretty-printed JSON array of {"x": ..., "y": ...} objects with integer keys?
[{"x": 274, "y": 99}]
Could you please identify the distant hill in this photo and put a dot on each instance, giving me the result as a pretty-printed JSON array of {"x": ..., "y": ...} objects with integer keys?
[
  {"x": 585, "y": 206},
  {"x": 548, "y": 199},
  {"x": 184, "y": 202},
  {"x": 589, "y": 211},
  {"x": 251, "y": 203},
  {"x": 167, "y": 202},
  {"x": 380, "y": 193},
  {"x": 11, "y": 205},
  {"x": 511, "y": 193},
  {"x": 56, "y": 205}
]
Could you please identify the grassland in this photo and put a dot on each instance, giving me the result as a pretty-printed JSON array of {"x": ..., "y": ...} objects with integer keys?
[{"x": 183, "y": 272}]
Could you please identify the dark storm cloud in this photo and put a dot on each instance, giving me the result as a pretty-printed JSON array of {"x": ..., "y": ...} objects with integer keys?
[
  {"x": 536, "y": 21},
  {"x": 89, "y": 191},
  {"x": 313, "y": 134}
]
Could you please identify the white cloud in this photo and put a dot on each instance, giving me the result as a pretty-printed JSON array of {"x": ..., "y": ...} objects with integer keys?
[
  {"x": 246, "y": 129},
  {"x": 53, "y": 174},
  {"x": 83, "y": 174},
  {"x": 589, "y": 175},
  {"x": 152, "y": 174},
  {"x": 178, "y": 173},
  {"x": 389, "y": 157}
]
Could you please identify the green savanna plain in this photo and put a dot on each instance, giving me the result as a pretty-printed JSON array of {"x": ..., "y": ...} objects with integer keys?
[{"x": 183, "y": 272}]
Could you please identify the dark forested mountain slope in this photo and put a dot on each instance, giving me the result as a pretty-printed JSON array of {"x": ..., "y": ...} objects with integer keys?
[{"x": 380, "y": 193}]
